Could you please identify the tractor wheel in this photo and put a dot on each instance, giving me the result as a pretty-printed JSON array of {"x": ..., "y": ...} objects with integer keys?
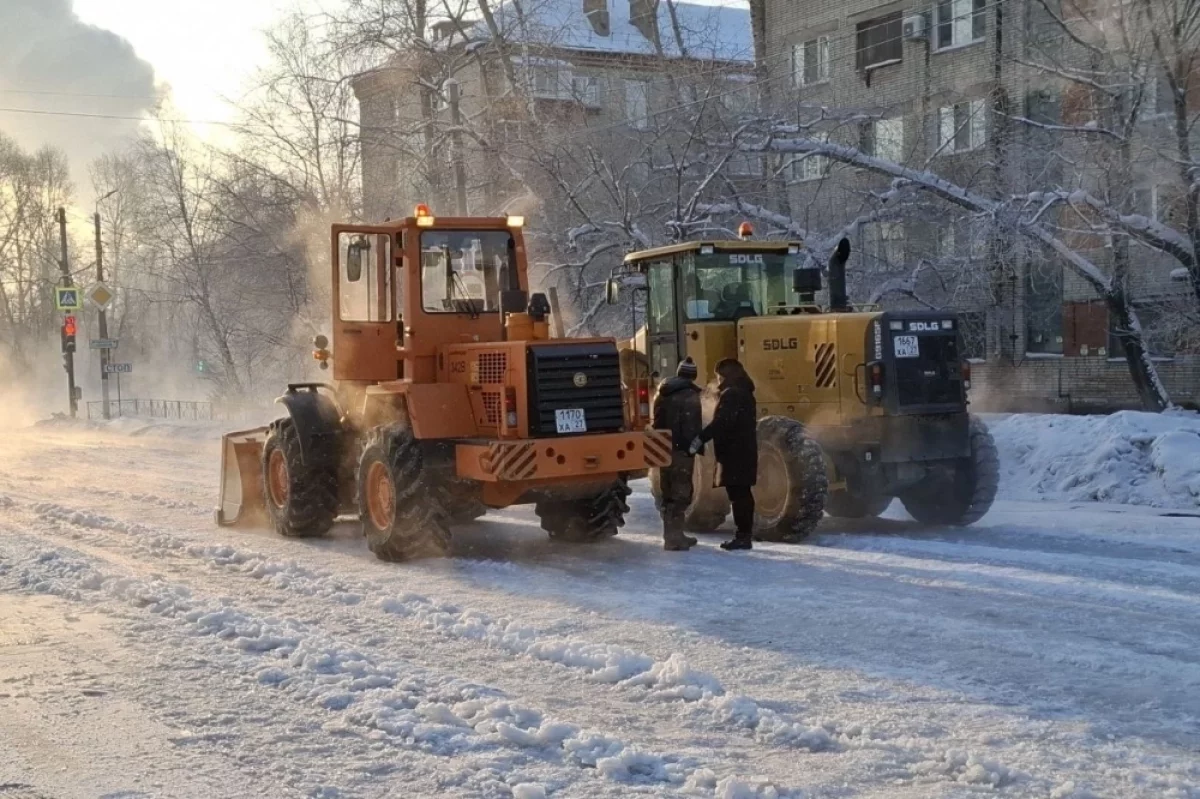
[
  {"x": 852, "y": 505},
  {"x": 586, "y": 520},
  {"x": 710, "y": 506},
  {"x": 793, "y": 485},
  {"x": 400, "y": 503},
  {"x": 301, "y": 493},
  {"x": 962, "y": 492}
]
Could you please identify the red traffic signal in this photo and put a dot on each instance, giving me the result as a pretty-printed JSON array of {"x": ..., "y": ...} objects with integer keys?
[{"x": 69, "y": 327}]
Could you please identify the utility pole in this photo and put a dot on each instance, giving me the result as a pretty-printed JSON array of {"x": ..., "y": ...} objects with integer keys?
[
  {"x": 460, "y": 172},
  {"x": 68, "y": 357},
  {"x": 103, "y": 315}
]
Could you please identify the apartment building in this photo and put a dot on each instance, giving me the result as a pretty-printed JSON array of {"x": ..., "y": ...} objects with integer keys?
[
  {"x": 531, "y": 75},
  {"x": 947, "y": 86}
]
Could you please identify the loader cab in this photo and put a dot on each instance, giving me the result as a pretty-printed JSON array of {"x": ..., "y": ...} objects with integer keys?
[
  {"x": 697, "y": 293},
  {"x": 402, "y": 289}
]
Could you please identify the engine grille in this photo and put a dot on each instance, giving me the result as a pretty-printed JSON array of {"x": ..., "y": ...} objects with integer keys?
[
  {"x": 553, "y": 385},
  {"x": 490, "y": 367}
]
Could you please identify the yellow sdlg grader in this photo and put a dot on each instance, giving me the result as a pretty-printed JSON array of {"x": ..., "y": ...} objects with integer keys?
[
  {"x": 856, "y": 405},
  {"x": 448, "y": 398}
]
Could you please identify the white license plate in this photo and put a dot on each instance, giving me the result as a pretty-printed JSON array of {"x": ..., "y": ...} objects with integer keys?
[
  {"x": 906, "y": 347},
  {"x": 570, "y": 420}
]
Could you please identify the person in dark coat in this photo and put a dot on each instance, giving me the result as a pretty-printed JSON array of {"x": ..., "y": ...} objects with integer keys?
[
  {"x": 677, "y": 408},
  {"x": 735, "y": 444}
]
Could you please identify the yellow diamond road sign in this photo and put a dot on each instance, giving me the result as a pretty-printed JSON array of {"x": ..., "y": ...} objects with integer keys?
[{"x": 100, "y": 295}]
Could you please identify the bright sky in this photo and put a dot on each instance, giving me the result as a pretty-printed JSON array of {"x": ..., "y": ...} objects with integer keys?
[{"x": 206, "y": 52}]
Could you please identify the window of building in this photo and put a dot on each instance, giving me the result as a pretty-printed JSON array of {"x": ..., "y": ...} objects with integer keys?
[
  {"x": 972, "y": 326},
  {"x": 1085, "y": 329},
  {"x": 809, "y": 167},
  {"x": 880, "y": 41},
  {"x": 1145, "y": 202},
  {"x": 1043, "y": 309},
  {"x": 883, "y": 138},
  {"x": 1158, "y": 99},
  {"x": 552, "y": 81},
  {"x": 586, "y": 89},
  {"x": 960, "y": 22},
  {"x": 738, "y": 99},
  {"x": 1159, "y": 334},
  {"x": 636, "y": 108},
  {"x": 508, "y": 132},
  {"x": 810, "y": 62},
  {"x": 962, "y": 126},
  {"x": 888, "y": 243},
  {"x": 745, "y": 164}
]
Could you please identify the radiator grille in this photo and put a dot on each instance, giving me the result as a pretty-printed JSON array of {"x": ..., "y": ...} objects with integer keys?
[{"x": 586, "y": 376}]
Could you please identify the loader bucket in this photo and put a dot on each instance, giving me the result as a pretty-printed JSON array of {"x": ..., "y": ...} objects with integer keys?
[{"x": 241, "y": 502}]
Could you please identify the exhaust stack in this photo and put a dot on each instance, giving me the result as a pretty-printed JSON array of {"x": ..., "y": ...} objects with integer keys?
[{"x": 838, "y": 301}]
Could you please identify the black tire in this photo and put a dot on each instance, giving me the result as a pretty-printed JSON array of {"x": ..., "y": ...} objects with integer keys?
[
  {"x": 850, "y": 505},
  {"x": 301, "y": 494},
  {"x": 793, "y": 485},
  {"x": 409, "y": 522},
  {"x": 582, "y": 521},
  {"x": 963, "y": 492},
  {"x": 710, "y": 505}
]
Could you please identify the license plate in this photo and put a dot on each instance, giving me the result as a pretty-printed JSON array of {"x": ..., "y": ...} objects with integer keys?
[
  {"x": 906, "y": 347},
  {"x": 570, "y": 420}
]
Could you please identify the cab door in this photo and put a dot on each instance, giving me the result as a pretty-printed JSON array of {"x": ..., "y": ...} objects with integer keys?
[
  {"x": 663, "y": 324},
  {"x": 365, "y": 277}
]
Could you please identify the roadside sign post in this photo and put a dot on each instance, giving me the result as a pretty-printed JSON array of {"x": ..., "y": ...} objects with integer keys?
[{"x": 117, "y": 369}]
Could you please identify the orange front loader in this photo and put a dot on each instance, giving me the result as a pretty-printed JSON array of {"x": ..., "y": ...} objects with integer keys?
[{"x": 448, "y": 398}]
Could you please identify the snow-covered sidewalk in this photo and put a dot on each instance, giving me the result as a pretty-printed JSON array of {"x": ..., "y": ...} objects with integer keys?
[{"x": 1050, "y": 651}]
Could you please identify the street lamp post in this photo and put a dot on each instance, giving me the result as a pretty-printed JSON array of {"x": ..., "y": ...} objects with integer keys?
[{"x": 104, "y": 353}]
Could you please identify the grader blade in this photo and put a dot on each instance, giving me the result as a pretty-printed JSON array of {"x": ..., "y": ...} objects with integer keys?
[{"x": 241, "y": 502}]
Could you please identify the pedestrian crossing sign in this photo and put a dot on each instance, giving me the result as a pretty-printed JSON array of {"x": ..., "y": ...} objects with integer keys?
[{"x": 67, "y": 298}]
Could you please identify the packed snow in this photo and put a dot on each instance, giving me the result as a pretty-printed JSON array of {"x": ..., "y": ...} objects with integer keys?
[
  {"x": 1129, "y": 457},
  {"x": 1049, "y": 651}
]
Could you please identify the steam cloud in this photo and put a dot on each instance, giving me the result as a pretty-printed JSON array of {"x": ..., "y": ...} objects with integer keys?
[{"x": 45, "y": 47}]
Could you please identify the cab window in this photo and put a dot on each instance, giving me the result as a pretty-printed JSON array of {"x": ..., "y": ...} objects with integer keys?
[
  {"x": 364, "y": 277},
  {"x": 465, "y": 271}
]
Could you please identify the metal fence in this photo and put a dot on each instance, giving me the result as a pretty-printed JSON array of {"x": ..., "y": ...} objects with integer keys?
[{"x": 163, "y": 409}]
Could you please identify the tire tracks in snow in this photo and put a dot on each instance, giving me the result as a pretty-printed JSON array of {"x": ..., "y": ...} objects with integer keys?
[
  {"x": 368, "y": 695},
  {"x": 648, "y": 681}
]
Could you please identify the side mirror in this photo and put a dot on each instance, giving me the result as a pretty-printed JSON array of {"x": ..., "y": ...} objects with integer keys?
[
  {"x": 354, "y": 258},
  {"x": 806, "y": 280},
  {"x": 612, "y": 291}
]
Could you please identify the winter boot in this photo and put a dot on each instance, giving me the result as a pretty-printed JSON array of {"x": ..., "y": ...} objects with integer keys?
[
  {"x": 673, "y": 538},
  {"x": 678, "y": 543},
  {"x": 740, "y": 541}
]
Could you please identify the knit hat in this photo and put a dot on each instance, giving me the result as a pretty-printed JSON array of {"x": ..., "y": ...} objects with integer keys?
[{"x": 687, "y": 368}]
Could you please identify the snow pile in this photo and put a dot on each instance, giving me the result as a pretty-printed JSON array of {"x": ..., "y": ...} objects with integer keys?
[{"x": 1128, "y": 458}]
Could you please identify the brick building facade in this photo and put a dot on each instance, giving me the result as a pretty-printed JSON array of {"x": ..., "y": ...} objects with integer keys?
[{"x": 942, "y": 87}]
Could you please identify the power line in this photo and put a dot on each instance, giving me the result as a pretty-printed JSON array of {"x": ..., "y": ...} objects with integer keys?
[
  {"x": 123, "y": 117},
  {"x": 48, "y": 93}
]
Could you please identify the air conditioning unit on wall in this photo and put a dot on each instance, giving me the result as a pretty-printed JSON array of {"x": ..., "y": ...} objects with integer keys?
[{"x": 915, "y": 27}]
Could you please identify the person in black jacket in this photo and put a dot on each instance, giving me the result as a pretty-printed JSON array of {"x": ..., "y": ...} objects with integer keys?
[
  {"x": 677, "y": 408},
  {"x": 733, "y": 433}
]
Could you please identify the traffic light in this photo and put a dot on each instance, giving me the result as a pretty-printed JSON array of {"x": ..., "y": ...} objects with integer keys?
[
  {"x": 201, "y": 366},
  {"x": 69, "y": 329}
]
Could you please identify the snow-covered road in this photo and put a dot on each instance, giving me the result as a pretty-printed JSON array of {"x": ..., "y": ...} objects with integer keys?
[{"x": 1051, "y": 651}]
